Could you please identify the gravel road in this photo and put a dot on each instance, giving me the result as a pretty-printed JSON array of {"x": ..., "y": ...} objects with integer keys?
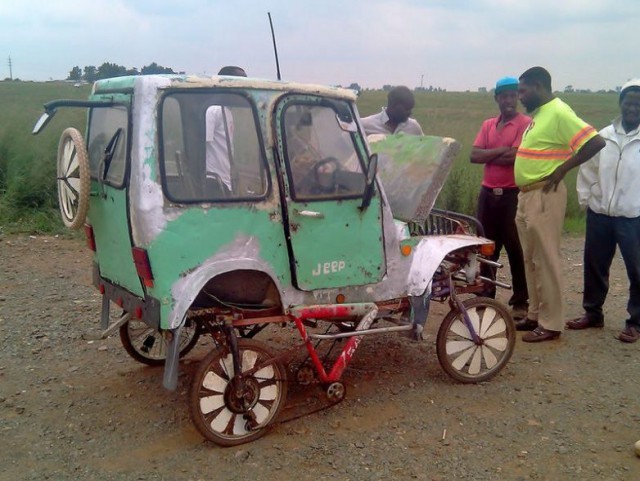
[{"x": 73, "y": 409}]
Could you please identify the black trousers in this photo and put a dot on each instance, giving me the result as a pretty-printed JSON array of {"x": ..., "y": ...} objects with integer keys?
[
  {"x": 604, "y": 233},
  {"x": 497, "y": 215}
]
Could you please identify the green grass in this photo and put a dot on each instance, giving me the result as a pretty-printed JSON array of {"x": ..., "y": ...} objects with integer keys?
[
  {"x": 460, "y": 114},
  {"x": 28, "y": 198}
]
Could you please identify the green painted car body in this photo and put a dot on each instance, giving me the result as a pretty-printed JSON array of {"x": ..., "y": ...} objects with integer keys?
[{"x": 249, "y": 192}]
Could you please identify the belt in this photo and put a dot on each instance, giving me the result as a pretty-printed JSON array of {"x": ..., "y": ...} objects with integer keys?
[
  {"x": 498, "y": 191},
  {"x": 534, "y": 186}
]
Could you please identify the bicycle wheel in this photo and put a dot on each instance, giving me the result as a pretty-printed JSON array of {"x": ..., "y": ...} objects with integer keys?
[
  {"x": 460, "y": 356},
  {"x": 148, "y": 346},
  {"x": 73, "y": 178},
  {"x": 232, "y": 408}
]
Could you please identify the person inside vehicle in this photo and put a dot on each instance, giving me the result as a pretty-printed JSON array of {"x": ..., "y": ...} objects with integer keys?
[{"x": 219, "y": 143}]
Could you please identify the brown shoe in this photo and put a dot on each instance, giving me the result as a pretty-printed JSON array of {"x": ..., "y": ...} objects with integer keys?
[
  {"x": 582, "y": 323},
  {"x": 629, "y": 334},
  {"x": 540, "y": 334},
  {"x": 526, "y": 324}
]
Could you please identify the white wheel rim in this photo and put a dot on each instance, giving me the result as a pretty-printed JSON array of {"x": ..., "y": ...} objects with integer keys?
[
  {"x": 218, "y": 417},
  {"x": 69, "y": 180},
  {"x": 472, "y": 359},
  {"x": 142, "y": 335},
  {"x": 73, "y": 178}
]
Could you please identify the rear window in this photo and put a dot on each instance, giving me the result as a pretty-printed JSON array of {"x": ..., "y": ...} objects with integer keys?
[
  {"x": 211, "y": 149},
  {"x": 107, "y": 144}
]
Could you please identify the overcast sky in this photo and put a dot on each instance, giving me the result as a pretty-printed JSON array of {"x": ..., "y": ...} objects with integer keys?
[{"x": 454, "y": 44}]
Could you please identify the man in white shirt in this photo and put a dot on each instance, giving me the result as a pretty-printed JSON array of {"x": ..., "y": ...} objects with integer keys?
[
  {"x": 608, "y": 187},
  {"x": 395, "y": 117},
  {"x": 219, "y": 137}
]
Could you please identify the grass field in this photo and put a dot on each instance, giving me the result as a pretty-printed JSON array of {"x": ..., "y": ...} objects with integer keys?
[
  {"x": 28, "y": 198},
  {"x": 460, "y": 114}
]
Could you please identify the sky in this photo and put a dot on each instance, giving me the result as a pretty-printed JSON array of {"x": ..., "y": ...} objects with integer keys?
[{"x": 452, "y": 44}]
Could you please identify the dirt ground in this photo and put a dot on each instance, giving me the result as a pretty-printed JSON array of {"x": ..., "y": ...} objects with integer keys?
[{"x": 84, "y": 410}]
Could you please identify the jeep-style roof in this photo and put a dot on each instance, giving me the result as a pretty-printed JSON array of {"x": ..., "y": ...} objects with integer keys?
[{"x": 193, "y": 81}]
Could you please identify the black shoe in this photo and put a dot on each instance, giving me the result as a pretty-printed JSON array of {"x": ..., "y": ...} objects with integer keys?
[
  {"x": 519, "y": 312},
  {"x": 526, "y": 324}
]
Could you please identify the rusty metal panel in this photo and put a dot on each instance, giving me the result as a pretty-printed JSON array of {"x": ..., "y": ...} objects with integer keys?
[{"x": 413, "y": 170}]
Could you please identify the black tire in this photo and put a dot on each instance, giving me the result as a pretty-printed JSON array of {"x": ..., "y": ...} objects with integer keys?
[
  {"x": 214, "y": 402},
  {"x": 466, "y": 361},
  {"x": 73, "y": 178},
  {"x": 148, "y": 346}
]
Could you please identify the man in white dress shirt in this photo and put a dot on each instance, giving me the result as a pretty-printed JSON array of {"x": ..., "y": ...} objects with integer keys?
[
  {"x": 396, "y": 117},
  {"x": 219, "y": 137}
]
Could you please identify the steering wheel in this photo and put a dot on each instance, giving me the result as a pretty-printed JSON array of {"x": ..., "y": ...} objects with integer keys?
[{"x": 325, "y": 174}]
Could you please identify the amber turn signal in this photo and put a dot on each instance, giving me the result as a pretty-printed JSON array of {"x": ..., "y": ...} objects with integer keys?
[
  {"x": 405, "y": 250},
  {"x": 487, "y": 250}
]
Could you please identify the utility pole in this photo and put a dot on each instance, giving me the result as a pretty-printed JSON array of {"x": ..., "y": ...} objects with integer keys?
[
  {"x": 422, "y": 81},
  {"x": 10, "y": 69}
]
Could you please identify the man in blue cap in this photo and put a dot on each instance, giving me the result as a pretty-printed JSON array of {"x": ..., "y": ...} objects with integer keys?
[{"x": 495, "y": 147}]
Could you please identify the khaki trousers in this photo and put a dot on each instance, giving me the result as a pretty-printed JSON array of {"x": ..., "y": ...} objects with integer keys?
[{"x": 539, "y": 220}]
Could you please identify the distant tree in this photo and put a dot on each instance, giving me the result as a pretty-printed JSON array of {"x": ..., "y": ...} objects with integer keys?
[
  {"x": 355, "y": 86},
  {"x": 75, "y": 74},
  {"x": 89, "y": 74},
  {"x": 110, "y": 70},
  {"x": 482, "y": 90},
  {"x": 568, "y": 89},
  {"x": 154, "y": 68},
  {"x": 387, "y": 87}
]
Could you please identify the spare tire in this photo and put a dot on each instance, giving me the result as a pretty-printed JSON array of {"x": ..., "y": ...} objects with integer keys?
[{"x": 73, "y": 178}]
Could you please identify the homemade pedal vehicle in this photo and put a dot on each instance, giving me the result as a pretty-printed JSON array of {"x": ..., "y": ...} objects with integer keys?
[{"x": 224, "y": 205}]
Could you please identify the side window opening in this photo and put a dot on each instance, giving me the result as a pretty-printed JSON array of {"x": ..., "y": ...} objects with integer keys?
[
  {"x": 321, "y": 156},
  {"x": 108, "y": 128},
  {"x": 211, "y": 148}
]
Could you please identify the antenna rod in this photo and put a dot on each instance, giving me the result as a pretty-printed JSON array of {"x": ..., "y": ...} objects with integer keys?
[{"x": 275, "y": 48}]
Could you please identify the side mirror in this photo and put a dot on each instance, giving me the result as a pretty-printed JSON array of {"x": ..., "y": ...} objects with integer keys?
[
  {"x": 372, "y": 170},
  {"x": 42, "y": 121},
  {"x": 50, "y": 109}
]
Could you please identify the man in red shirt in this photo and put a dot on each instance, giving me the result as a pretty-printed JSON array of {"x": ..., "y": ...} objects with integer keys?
[{"x": 495, "y": 147}]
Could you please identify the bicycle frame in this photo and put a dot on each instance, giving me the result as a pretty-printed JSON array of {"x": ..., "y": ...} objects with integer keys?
[{"x": 350, "y": 347}]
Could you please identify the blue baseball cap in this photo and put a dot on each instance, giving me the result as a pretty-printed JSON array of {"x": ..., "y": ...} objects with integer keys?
[{"x": 506, "y": 83}]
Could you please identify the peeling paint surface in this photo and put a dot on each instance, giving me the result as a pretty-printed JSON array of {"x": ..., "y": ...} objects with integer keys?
[
  {"x": 201, "y": 244},
  {"x": 148, "y": 217},
  {"x": 242, "y": 253},
  {"x": 188, "y": 244},
  {"x": 413, "y": 170},
  {"x": 429, "y": 253}
]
